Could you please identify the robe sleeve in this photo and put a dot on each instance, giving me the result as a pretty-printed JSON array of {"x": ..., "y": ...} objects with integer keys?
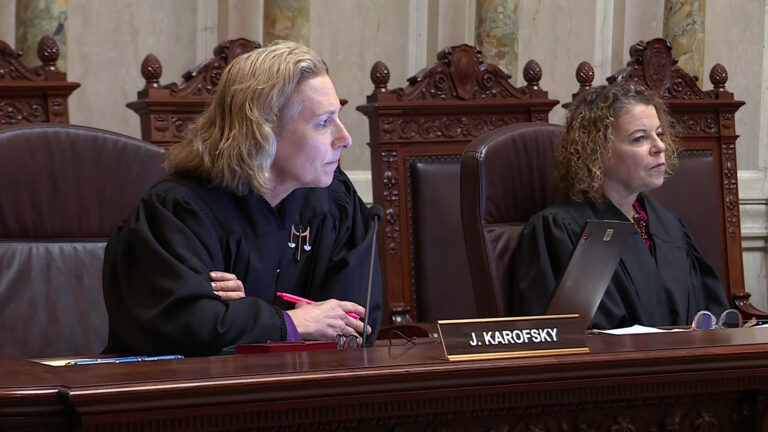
[
  {"x": 157, "y": 287},
  {"x": 709, "y": 289},
  {"x": 540, "y": 257},
  {"x": 347, "y": 272}
]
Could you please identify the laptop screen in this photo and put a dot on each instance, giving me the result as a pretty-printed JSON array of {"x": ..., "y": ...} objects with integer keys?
[{"x": 590, "y": 268}]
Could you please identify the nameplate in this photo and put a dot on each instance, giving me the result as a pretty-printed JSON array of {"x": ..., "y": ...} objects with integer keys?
[{"x": 512, "y": 337}]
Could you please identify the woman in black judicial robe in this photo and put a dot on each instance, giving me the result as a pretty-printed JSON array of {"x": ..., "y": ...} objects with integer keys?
[
  {"x": 255, "y": 205},
  {"x": 616, "y": 146}
]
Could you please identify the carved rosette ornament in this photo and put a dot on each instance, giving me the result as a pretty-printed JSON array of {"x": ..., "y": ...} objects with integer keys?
[
  {"x": 449, "y": 128},
  {"x": 698, "y": 124},
  {"x": 19, "y": 112},
  {"x": 391, "y": 201}
]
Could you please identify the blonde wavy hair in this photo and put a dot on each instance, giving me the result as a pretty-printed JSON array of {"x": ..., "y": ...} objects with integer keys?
[
  {"x": 232, "y": 144},
  {"x": 579, "y": 172}
]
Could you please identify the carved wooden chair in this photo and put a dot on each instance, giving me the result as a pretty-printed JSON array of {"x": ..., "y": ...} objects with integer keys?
[
  {"x": 165, "y": 111},
  {"x": 417, "y": 136},
  {"x": 704, "y": 190},
  {"x": 33, "y": 94}
]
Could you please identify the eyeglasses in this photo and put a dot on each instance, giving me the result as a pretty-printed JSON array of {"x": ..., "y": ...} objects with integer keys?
[
  {"x": 347, "y": 342},
  {"x": 705, "y": 320}
]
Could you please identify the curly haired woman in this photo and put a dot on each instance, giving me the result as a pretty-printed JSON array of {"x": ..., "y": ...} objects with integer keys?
[{"x": 617, "y": 145}]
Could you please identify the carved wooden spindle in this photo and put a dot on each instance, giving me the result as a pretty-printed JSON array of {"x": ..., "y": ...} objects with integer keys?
[
  {"x": 48, "y": 53},
  {"x": 151, "y": 70},
  {"x": 532, "y": 74},
  {"x": 379, "y": 77}
]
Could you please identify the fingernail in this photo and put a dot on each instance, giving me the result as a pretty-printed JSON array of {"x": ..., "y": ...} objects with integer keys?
[
  {"x": 212, "y": 274},
  {"x": 213, "y": 284}
]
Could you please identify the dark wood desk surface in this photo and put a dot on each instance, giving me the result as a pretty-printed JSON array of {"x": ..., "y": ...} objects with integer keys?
[{"x": 715, "y": 380}]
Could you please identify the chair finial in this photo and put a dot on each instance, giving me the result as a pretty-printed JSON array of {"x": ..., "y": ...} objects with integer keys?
[
  {"x": 379, "y": 77},
  {"x": 151, "y": 70}
]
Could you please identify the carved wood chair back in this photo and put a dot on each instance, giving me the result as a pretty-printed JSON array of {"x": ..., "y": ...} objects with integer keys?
[
  {"x": 166, "y": 110},
  {"x": 33, "y": 94},
  {"x": 417, "y": 135},
  {"x": 704, "y": 189}
]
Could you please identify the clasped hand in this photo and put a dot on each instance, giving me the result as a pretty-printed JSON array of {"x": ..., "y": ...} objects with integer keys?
[{"x": 318, "y": 321}]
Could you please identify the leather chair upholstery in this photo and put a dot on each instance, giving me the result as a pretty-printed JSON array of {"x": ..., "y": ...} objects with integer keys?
[
  {"x": 692, "y": 193},
  {"x": 442, "y": 270},
  {"x": 63, "y": 189},
  {"x": 506, "y": 177}
]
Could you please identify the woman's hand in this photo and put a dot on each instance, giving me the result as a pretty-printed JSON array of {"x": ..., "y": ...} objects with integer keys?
[
  {"x": 326, "y": 319},
  {"x": 226, "y": 285}
]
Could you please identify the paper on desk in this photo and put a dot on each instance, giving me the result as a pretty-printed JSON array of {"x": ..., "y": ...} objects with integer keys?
[{"x": 637, "y": 329}]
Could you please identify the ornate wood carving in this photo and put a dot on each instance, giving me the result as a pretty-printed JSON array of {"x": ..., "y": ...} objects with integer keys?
[
  {"x": 440, "y": 110},
  {"x": 165, "y": 111},
  {"x": 391, "y": 203},
  {"x": 33, "y": 94},
  {"x": 461, "y": 74},
  {"x": 652, "y": 65},
  {"x": 706, "y": 121},
  {"x": 692, "y": 381},
  {"x": 16, "y": 112},
  {"x": 447, "y": 128}
]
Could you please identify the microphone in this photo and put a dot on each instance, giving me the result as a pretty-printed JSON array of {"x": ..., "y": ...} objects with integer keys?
[{"x": 376, "y": 213}]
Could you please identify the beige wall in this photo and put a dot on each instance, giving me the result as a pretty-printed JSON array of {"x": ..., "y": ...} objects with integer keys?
[
  {"x": 107, "y": 42},
  {"x": 576, "y": 31},
  {"x": 348, "y": 34},
  {"x": 741, "y": 52},
  {"x": 7, "y": 28}
]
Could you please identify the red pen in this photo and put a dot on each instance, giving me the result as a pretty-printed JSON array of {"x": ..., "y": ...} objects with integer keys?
[{"x": 290, "y": 298}]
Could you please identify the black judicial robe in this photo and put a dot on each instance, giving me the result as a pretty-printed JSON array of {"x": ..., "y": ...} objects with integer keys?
[
  {"x": 666, "y": 288},
  {"x": 156, "y": 268}
]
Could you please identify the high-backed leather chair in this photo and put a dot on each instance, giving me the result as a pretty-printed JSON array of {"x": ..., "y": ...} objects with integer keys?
[
  {"x": 418, "y": 133},
  {"x": 704, "y": 190},
  {"x": 63, "y": 189},
  {"x": 506, "y": 177}
]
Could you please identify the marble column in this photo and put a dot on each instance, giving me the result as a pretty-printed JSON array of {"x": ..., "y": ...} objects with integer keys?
[
  {"x": 36, "y": 18},
  {"x": 684, "y": 28},
  {"x": 496, "y": 33},
  {"x": 287, "y": 20}
]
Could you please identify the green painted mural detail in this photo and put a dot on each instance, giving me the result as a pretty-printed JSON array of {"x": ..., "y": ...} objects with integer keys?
[
  {"x": 496, "y": 33},
  {"x": 36, "y": 18}
]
